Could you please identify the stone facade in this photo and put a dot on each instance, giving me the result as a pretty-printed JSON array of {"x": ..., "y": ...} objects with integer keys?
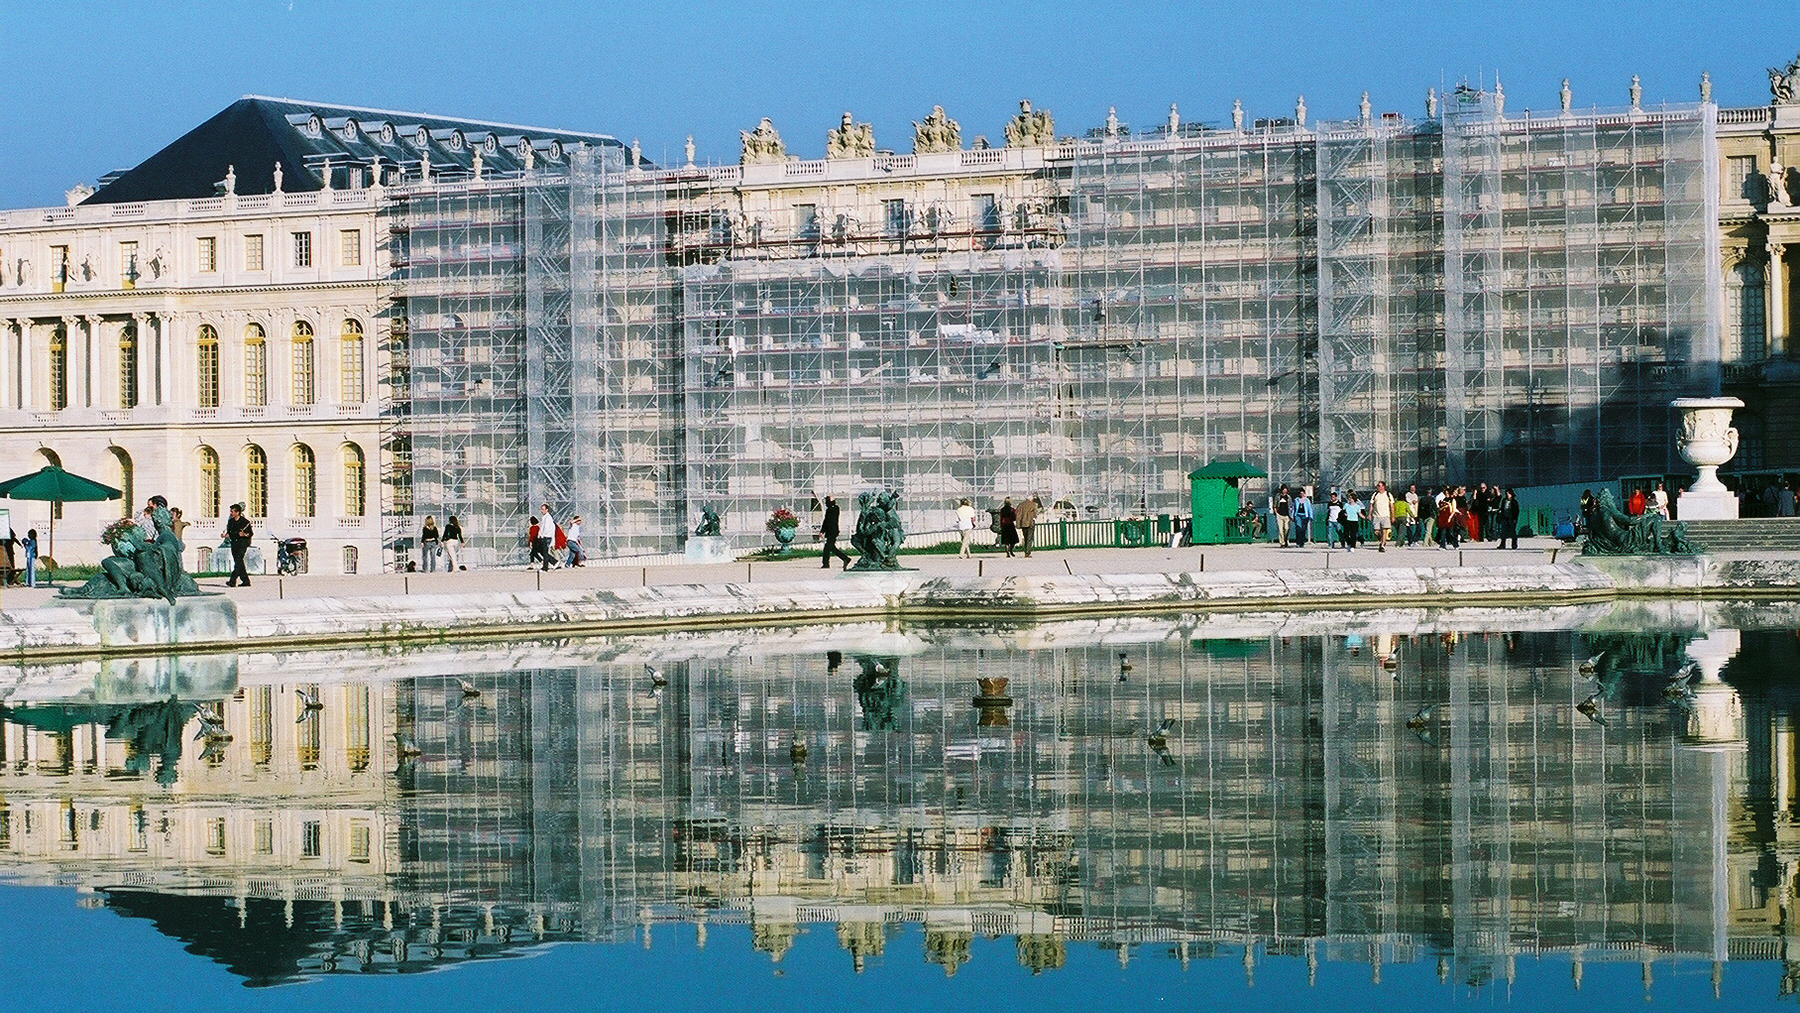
[{"x": 213, "y": 351}]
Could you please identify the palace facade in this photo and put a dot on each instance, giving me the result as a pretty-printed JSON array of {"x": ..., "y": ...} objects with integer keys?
[{"x": 448, "y": 317}]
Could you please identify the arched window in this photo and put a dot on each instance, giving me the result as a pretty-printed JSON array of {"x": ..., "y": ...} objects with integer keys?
[
  {"x": 207, "y": 366},
  {"x": 128, "y": 365},
  {"x": 125, "y": 476},
  {"x": 256, "y": 367},
  {"x": 306, "y": 487},
  {"x": 210, "y": 486},
  {"x": 59, "y": 368},
  {"x": 350, "y": 360},
  {"x": 356, "y": 496},
  {"x": 256, "y": 466},
  {"x": 304, "y": 390}
]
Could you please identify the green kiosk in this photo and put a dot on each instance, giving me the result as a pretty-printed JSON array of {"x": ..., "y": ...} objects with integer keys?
[{"x": 1216, "y": 498}]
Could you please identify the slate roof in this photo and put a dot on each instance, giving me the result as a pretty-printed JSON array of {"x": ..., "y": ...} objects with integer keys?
[{"x": 311, "y": 139}]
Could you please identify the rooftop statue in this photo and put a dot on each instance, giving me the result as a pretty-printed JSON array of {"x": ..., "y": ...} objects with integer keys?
[
  {"x": 1784, "y": 85},
  {"x": 1613, "y": 532},
  {"x": 146, "y": 561},
  {"x": 762, "y": 146},
  {"x": 850, "y": 140},
  {"x": 878, "y": 531},
  {"x": 1030, "y": 129},
  {"x": 937, "y": 133}
]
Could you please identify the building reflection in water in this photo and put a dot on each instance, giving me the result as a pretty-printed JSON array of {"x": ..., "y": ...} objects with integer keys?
[{"x": 1457, "y": 797}]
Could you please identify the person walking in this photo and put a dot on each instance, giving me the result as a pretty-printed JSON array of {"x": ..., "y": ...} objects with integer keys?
[
  {"x": 1028, "y": 511},
  {"x": 1381, "y": 514},
  {"x": 1508, "y": 513},
  {"x": 429, "y": 540},
  {"x": 965, "y": 528},
  {"x": 1009, "y": 526},
  {"x": 573, "y": 537},
  {"x": 830, "y": 529},
  {"x": 1334, "y": 519},
  {"x": 546, "y": 535},
  {"x": 1449, "y": 519},
  {"x": 535, "y": 543},
  {"x": 1659, "y": 501},
  {"x": 31, "y": 554},
  {"x": 1352, "y": 514},
  {"x": 237, "y": 535},
  {"x": 453, "y": 539},
  {"x": 1282, "y": 506},
  {"x": 1303, "y": 517},
  {"x": 1412, "y": 515}
]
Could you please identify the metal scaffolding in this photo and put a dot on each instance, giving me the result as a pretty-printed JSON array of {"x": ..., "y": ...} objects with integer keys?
[{"x": 1473, "y": 297}]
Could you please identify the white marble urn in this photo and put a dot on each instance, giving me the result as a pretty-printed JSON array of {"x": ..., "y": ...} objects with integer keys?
[{"x": 1707, "y": 440}]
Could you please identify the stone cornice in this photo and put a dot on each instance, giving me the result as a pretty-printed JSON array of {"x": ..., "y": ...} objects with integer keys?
[{"x": 139, "y": 297}]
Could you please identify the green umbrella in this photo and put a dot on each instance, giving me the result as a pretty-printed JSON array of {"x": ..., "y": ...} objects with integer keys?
[{"x": 54, "y": 485}]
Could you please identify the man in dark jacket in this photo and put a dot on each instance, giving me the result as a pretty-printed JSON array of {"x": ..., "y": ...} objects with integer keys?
[
  {"x": 830, "y": 530},
  {"x": 1508, "y": 511},
  {"x": 237, "y": 533}
]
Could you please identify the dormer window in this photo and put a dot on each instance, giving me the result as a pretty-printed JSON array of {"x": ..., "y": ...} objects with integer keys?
[
  {"x": 349, "y": 130},
  {"x": 455, "y": 141},
  {"x": 491, "y": 145},
  {"x": 315, "y": 127},
  {"x": 387, "y": 133},
  {"x": 556, "y": 151},
  {"x": 422, "y": 137}
]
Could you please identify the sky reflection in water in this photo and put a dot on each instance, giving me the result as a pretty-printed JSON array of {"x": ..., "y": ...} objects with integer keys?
[{"x": 1408, "y": 811}]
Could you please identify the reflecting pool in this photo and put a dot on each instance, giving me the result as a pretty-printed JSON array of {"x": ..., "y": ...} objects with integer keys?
[{"x": 1347, "y": 810}]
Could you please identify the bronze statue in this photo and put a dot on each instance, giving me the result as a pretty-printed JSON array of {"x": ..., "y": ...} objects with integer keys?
[
  {"x": 878, "y": 531},
  {"x": 709, "y": 525},
  {"x": 146, "y": 562},
  {"x": 1613, "y": 532}
]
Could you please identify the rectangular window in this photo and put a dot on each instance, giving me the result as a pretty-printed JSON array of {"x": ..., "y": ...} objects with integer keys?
[
  {"x": 302, "y": 249},
  {"x": 312, "y": 843},
  {"x": 893, "y": 212},
  {"x": 207, "y": 255},
  {"x": 359, "y": 840},
  {"x": 253, "y": 253},
  {"x": 59, "y": 267},
  {"x": 256, "y": 373},
  {"x": 351, "y": 368},
  {"x": 128, "y": 367},
  {"x": 215, "y": 836},
  {"x": 1740, "y": 178},
  {"x": 303, "y": 372},
  {"x": 350, "y": 247},
  {"x": 128, "y": 264},
  {"x": 806, "y": 221},
  {"x": 262, "y": 725},
  {"x": 265, "y": 837}
]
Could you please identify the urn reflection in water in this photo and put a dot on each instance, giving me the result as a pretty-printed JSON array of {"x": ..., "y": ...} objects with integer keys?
[{"x": 1707, "y": 441}]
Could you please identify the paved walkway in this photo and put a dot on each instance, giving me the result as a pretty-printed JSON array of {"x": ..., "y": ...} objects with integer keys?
[{"x": 1056, "y": 561}]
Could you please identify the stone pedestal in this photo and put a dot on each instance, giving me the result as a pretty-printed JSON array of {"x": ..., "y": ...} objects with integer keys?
[
  {"x": 708, "y": 549},
  {"x": 1717, "y": 715},
  {"x": 1707, "y": 441}
]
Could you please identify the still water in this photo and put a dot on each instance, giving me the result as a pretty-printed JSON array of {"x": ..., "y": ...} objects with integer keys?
[{"x": 1399, "y": 809}]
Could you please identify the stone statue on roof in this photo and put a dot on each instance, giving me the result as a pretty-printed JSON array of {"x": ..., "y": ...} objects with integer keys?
[
  {"x": 228, "y": 185},
  {"x": 277, "y": 175},
  {"x": 1031, "y": 128},
  {"x": 937, "y": 132},
  {"x": 762, "y": 146},
  {"x": 1784, "y": 85},
  {"x": 850, "y": 140}
]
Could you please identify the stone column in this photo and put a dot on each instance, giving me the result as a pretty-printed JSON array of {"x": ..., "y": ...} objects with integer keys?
[
  {"x": 8, "y": 373},
  {"x": 98, "y": 365},
  {"x": 27, "y": 395},
  {"x": 1777, "y": 289}
]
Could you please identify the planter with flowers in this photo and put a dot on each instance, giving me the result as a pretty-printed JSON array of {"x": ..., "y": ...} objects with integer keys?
[{"x": 784, "y": 525}]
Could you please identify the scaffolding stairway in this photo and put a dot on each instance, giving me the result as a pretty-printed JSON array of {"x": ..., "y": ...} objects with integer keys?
[{"x": 1754, "y": 534}]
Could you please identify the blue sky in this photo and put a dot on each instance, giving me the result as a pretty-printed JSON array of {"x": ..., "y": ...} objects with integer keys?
[{"x": 92, "y": 86}]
